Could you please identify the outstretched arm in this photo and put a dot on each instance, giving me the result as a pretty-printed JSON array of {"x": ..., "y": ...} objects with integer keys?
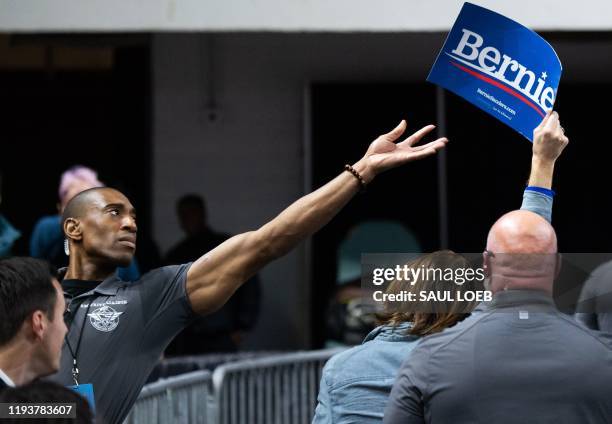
[
  {"x": 548, "y": 142},
  {"x": 214, "y": 277}
]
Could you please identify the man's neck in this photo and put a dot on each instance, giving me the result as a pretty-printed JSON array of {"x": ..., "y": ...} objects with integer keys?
[
  {"x": 82, "y": 269},
  {"x": 530, "y": 285},
  {"x": 15, "y": 363},
  {"x": 508, "y": 281}
]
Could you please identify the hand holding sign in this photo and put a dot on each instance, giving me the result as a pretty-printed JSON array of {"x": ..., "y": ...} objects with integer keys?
[
  {"x": 549, "y": 140},
  {"x": 500, "y": 66}
]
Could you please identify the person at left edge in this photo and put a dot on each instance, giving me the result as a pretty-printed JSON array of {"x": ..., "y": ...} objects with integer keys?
[
  {"x": 117, "y": 330},
  {"x": 31, "y": 321}
]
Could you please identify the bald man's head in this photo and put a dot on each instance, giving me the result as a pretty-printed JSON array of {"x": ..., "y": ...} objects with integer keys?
[
  {"x": 100, "y": 223},
  {"x": 522, "y": 252},
  {"x": 522, "y": 232}
]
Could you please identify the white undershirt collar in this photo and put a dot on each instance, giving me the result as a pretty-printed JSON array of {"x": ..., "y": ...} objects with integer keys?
[{"x": 6, "y": 379}]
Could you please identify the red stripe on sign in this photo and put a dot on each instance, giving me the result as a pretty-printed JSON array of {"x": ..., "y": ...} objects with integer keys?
[{"x": 501, "y": 86}]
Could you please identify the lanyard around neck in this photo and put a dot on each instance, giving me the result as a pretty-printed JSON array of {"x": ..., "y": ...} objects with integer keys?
[{"x": 75, "y": 352}]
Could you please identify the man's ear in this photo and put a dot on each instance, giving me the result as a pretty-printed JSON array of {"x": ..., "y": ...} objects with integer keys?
[
  {"x": 72, "y": 229},
  {"x": 38, "y": 324},
  {"x": 486, "y": 263}
]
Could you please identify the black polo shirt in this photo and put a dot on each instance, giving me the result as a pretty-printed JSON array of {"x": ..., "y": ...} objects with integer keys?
[{"x": 124, "y": 327}]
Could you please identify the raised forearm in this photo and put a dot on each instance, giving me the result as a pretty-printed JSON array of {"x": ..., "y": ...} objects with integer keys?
[
  {"x": 549, "y": 140},
  {"x": 313, "y": 211},
  {"x": 542, "y": 171},
  {"x": 308, "y": 214},
  {"x": 213, "y": 278}
]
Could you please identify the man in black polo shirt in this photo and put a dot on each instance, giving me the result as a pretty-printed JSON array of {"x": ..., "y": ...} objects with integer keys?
[{"x": 118, "y": 330}]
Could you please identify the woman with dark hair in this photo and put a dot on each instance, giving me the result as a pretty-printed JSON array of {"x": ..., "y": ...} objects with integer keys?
[
  {"x": 356, "y": 383},
  {"x": 428, "y": 316}
]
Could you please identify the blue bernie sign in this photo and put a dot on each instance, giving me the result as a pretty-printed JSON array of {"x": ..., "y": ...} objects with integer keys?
[{"x": 502, "y": 67}]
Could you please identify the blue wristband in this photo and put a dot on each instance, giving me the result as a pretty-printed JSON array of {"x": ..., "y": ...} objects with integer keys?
[{"x": 541, "y": 190}]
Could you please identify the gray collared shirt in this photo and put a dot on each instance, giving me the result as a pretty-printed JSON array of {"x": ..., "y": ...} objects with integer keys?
[
  {"x": 125, "y": 328},
  {"x": 519, "y": 361}
]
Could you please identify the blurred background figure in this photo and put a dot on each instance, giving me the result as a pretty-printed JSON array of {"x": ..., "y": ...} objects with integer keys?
[
  {"x": 47, "y": 241},
  {"x": 8, "y": 233},
  {"x": 223, "y": 330},
  {"x": 352, "y": 313}
]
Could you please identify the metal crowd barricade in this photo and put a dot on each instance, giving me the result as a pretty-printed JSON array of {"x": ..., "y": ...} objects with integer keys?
[
  {"x": 277, "y": 390},
  {"x": 184, "y": 399},
  {"x": 183, "y": 364}
]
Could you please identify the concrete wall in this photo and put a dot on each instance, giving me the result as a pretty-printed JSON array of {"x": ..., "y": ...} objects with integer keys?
[
  {"x": 288, "y": 15},
  {"x": 249, "y": 162}
]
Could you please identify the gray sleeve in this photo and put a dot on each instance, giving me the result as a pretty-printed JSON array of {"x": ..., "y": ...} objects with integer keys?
[
  {"x": 165, "y": 304},
  {"x": 538, "y": 203},
  {"x": 405, "y": 404}
]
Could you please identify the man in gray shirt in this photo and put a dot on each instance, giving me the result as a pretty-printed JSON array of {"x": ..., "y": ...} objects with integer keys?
[
  {"x": 519, "y": 360},
  {"x": 118, "y": 330}
]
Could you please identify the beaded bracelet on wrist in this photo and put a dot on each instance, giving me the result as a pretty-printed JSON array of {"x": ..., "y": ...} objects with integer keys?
[{"x": 356, "y": 174}]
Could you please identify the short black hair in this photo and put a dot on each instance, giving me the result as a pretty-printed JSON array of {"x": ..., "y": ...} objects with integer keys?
[
  {"x": 75, "y": 206},
  {"x": 25, "y": 286},
  {"x": 47, "y": 392}
]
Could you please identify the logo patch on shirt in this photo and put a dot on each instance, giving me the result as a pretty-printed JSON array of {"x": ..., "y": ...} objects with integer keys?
[{"x": 104, "y": 319}]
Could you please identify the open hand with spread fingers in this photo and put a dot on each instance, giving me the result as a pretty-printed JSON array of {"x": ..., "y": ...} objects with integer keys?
[{"x": 384, "y": 153}]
